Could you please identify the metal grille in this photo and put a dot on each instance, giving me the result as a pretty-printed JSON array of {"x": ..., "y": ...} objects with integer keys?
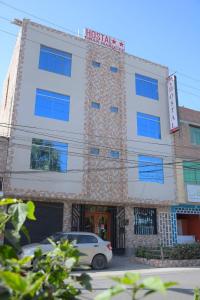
[
  {"x": 78, "y": 217},
  {"x": 145, "y": 221}
]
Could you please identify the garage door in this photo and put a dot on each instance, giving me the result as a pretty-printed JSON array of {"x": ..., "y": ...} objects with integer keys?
[{"x": 49, "y": 219}]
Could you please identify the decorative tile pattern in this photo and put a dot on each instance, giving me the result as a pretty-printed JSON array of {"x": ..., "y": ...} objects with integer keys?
[
  {"x": 103, "y": 128},
  {"x": 165, "y": 225},
  {"x": 181, "y": 209}
]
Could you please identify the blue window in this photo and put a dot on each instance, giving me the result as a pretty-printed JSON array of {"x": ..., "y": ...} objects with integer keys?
[
  {"x": 55, "y": 61},
  {"x": 114, "y": 109},
  {"x": 95, "y": 105},
  {"x": 114, "y": 69},
  {"x": 96, "y": 64},
  {"x": 49, "y": 155},
  {"x": 148, "y": 125},
  {"x": 114, "y": 154},
  {"x": 146, "y": 86},
  {"x": 52, "y": 105},
  {"x": 94, "y": 151},
  {"x": 150, "y": 169}
]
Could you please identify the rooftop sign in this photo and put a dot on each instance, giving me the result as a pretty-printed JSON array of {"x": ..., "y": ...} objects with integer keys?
[
  {"x": 173, "y": 103},
  {"x": 104, "y": 40}
]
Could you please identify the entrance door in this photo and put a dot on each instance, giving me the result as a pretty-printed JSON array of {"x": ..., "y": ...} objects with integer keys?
[{"x": 98, "y": 223}]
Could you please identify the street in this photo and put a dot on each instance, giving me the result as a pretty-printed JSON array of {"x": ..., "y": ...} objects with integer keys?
[{"x": 187, "y": 278}]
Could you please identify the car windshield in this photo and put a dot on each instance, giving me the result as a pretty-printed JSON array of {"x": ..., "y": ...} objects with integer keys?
[{"x": 55, "y": 237}]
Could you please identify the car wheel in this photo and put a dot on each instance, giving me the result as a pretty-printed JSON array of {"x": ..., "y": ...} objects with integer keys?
[{"x": 99, "y": 262}]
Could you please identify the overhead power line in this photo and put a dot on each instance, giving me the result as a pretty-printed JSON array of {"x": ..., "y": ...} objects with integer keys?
[
  {"x": 130, "y": 73},
  {"x": 92, "y": 143},
  {"x": 71, "y": 31},
  {"x": 36, "y": 17}
]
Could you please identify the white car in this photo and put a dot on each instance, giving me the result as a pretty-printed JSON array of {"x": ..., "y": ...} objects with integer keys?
[{"x": 96, "y": 252}]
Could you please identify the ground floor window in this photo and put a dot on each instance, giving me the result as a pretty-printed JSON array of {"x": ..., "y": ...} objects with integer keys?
[{"x": 145, "y": 221}]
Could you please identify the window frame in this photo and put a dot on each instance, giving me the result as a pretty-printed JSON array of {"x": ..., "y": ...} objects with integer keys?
[
  {"x": 96, "y": 64},
  {"x": 191, "y": 170},
  {"x": 114, "y": 69},
  {"x": 143, "y": 218},
  {"x": 93, "y": 151},
  {"x": 45, "y": 104},
  {"x": 194, "y": 140},
  {"x": 95, "y": 105},
  {"x": 55, "y": 52},
  {"x": 147, "y": 132},
  {"x": 146, "y": 90},
  {"x": 40, "y": 146},
  {"x": 114, "y": 109},
  {"x": 148, "y": 160},
  {"x": 115, "y": 154}
]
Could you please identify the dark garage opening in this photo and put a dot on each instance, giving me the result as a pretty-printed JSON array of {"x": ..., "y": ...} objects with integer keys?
[{"x": 49, "y": 219}]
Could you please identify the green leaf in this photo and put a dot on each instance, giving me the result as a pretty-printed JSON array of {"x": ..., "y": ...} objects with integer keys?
[
  {"x": 7, "y": 252},
  {"x": 8, "y": 201},
  {"x": 128, "y": 278},
  {"x": 25, "y": 260},
  {"x": 170, "y": 284},
  {"x": 69, "y": 263},
  {"x": 154, "y": 284},
  {"x": 111, "y": 292},
  {"x": 13, "y": 238},
  {"x": 13, "y": 281},
  {"x": 34, "y": 284},
  {"x": 85, "y": 280},
  {"x": 26, "y": 233},
  {"x": 30, "y": 210}
]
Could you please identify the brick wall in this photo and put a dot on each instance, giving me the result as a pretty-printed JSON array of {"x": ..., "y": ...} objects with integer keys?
[
  {"x": 133, "y": 240},
  {"x": 183, "y": 146}
]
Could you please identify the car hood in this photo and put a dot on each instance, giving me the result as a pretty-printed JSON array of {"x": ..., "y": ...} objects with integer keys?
[{"x": 31, "y": 246}]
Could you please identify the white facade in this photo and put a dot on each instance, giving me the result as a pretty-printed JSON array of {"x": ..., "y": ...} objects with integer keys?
[{"x": 73, "y": 132}]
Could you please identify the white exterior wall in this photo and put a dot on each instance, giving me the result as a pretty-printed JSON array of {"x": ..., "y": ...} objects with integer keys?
[
  {"x": 74, "y": 86},
  {"x": 163, "y": 148},
  {"x": 78, "y": 87}
]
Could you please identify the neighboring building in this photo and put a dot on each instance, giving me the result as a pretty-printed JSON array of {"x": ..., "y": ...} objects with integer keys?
[
  {"x": 3, "y": 159},
  {"x": 89, "y": 140},
  {"x": 186, "y": 215}
]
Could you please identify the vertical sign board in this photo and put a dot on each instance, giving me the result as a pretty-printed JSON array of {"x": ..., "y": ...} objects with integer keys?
[
  {"x": 173, "y": 103},
  {"x": 104, "y": 40}
]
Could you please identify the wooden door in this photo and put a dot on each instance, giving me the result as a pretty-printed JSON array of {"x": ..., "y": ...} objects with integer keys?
[{"x": 98, "y": 223}]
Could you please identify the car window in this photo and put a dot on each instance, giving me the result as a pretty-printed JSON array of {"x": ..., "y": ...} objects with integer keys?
[
  {"x": 72, "y": 237},
  {"x": 55, "y": 237},
  {"x": 87, "y": 239}
]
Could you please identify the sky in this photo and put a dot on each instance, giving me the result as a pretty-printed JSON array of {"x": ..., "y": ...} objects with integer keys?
[{"x": 165, "y": 32}]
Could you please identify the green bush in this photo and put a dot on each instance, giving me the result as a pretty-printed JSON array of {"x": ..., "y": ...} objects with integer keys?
[{"x": 183, "y": 251}]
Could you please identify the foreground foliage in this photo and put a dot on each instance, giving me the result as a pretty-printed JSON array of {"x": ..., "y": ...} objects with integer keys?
[
  {"x": 139, "y": 288},
  {"x": 49, "y": 276}
]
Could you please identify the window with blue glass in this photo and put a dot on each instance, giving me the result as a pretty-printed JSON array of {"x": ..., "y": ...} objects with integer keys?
[
  {"x": 114, "y": 154},
  {"x": 96, "y": 64},
  {"x": 148, "y": 125},
  {"x": 94, "y": 151},
  {"x": 150, "y": 169},
  {"x": 146, "y": 86},
  {"x": 113, "y": 69},
  {"x": 114, "y": 109},
  {"x": 49, "y": 155},
  {"x": 55, "y": 61},
  {"x": 95, "y": 105},
  {"x": 52, "y": 105}
]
